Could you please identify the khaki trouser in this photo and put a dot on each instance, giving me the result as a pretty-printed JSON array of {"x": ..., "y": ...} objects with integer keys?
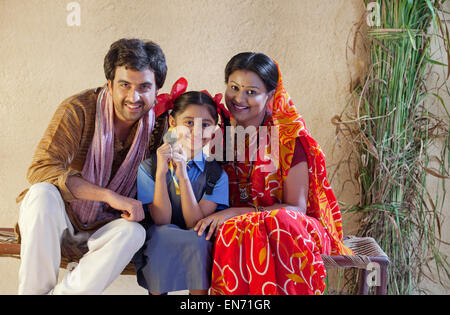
[{"x": 44, "y": 223}]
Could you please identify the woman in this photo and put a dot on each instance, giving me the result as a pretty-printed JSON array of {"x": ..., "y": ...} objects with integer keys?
[{"x": 282, "y": 219}]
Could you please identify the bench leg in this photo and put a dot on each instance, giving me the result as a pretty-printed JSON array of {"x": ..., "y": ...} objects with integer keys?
[
  {"x": 382, "y": 289},
  {"x": 363, "y": 287}
]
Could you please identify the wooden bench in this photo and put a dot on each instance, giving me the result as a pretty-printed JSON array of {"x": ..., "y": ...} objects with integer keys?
[
  {"x": 10, "y": 247},
  {"x": 368, "y": 254}
]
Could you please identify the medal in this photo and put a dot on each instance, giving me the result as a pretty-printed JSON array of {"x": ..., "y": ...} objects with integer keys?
[{"x": 243, "y": 195}]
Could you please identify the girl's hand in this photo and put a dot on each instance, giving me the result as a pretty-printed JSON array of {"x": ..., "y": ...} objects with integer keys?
[
  {"x": 163, "y": 155},
  {"x": 179, "y": 161},
  {"x": 214, "y": 221}
]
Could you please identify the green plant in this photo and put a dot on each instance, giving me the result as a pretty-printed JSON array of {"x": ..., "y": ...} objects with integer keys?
[{"x": 394, "y": 134}]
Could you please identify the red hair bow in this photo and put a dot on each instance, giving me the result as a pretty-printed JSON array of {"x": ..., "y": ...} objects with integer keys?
[
  {"x": 165, "y": 100},
  {"x": 221, "y": 110}
]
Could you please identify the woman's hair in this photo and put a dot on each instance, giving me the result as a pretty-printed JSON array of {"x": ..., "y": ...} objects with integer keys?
[
  {"x": 258, "y": 63},
  {"x": 194, "y": 98},
  {"x": 137, "y": 55}
]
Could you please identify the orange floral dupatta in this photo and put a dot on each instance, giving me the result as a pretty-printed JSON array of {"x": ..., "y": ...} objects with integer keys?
[{"x": 267, "y": 187}]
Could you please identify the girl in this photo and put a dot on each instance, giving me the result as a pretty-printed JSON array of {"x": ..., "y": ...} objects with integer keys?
[{"x": 178, "y": 187}]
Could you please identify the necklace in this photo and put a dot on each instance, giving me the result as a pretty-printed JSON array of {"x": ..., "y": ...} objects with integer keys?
[
  {"x": 243, "y": 187},
  {"x": 244, "y": 197}
]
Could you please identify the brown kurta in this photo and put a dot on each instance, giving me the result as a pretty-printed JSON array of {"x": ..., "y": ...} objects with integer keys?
[{"x": 63, "y": 148}]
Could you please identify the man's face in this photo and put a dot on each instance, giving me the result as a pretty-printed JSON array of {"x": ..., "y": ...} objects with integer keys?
[{"x": 133, "y": 93}]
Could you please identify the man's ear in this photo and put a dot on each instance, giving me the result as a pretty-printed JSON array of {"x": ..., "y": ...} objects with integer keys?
[
  {"x": 110, "y": 84},
  {"x": 156, "y": 97}
]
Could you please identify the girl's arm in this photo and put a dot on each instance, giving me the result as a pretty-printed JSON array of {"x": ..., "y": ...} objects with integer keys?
[
  {"x": 161, "y": 208},
  {"x": 193, "y": 211}
]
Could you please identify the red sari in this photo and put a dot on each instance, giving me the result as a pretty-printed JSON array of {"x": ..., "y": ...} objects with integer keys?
[{"x": 278, "y": 251}]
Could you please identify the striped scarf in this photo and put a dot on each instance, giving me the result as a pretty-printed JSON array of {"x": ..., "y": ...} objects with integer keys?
[{"x": 99, "y": 160}]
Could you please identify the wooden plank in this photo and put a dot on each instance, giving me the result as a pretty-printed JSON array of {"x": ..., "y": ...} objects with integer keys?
[
  {"x": 9, "y": 249},
  {"x": 10, "y": 230}
]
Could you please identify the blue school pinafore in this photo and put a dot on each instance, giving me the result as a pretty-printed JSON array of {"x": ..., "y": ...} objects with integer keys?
[{"x": 174, "y": 258}]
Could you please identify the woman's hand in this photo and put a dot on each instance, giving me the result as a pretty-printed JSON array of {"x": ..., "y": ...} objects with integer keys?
[
  {"x": 214, "y": 221},
  {"x": 163, "y": 155}
]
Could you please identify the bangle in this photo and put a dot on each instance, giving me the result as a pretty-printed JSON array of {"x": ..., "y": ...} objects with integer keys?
[{"x": 260, "y": 209}]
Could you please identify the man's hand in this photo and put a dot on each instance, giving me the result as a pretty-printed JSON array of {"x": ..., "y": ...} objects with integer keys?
[
  {"x": 83, "y": 190},
  {"x": 131, "y": 208}
]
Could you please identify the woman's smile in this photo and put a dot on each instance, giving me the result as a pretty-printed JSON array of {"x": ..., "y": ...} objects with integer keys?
[{"x": 239, "y": 107}]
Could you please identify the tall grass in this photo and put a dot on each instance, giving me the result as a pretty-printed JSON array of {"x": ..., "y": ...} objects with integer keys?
[{"x": 392, "y": 131}]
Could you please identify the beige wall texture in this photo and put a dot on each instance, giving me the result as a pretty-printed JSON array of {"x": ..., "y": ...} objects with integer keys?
[{"x": 45, "y": 60}]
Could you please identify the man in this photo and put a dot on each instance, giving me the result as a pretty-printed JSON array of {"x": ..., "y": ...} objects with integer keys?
[{"x": 83, "y": 176}]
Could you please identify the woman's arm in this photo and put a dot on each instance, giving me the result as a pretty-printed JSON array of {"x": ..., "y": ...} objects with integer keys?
[
  {"x": 295, "y": 193},
  {"x": 215, "y": 220},
  {"x": 295, "y": 196}
]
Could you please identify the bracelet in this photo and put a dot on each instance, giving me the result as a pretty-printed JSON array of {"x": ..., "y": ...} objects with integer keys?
[{"x": 259, "y": 209}]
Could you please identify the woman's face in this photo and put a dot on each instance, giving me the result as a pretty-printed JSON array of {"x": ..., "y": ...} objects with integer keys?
[
  {"x": 247, "y": 97},
  {"x": 194, "y": 128}
]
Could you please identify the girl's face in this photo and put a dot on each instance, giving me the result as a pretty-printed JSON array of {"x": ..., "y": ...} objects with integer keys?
[
  {"x": 194, "y": 127},
  {"x": 247, "y": 97}
]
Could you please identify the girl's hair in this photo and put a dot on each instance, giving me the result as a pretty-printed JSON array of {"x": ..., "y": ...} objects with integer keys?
[
  {"x": 202, "y": 99},
  {"x": 194, "y": 98},
  {"x": 258, "y": 63}
]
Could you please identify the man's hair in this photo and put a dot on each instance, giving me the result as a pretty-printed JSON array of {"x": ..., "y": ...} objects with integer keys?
[{"x": 137, "y": 55}]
